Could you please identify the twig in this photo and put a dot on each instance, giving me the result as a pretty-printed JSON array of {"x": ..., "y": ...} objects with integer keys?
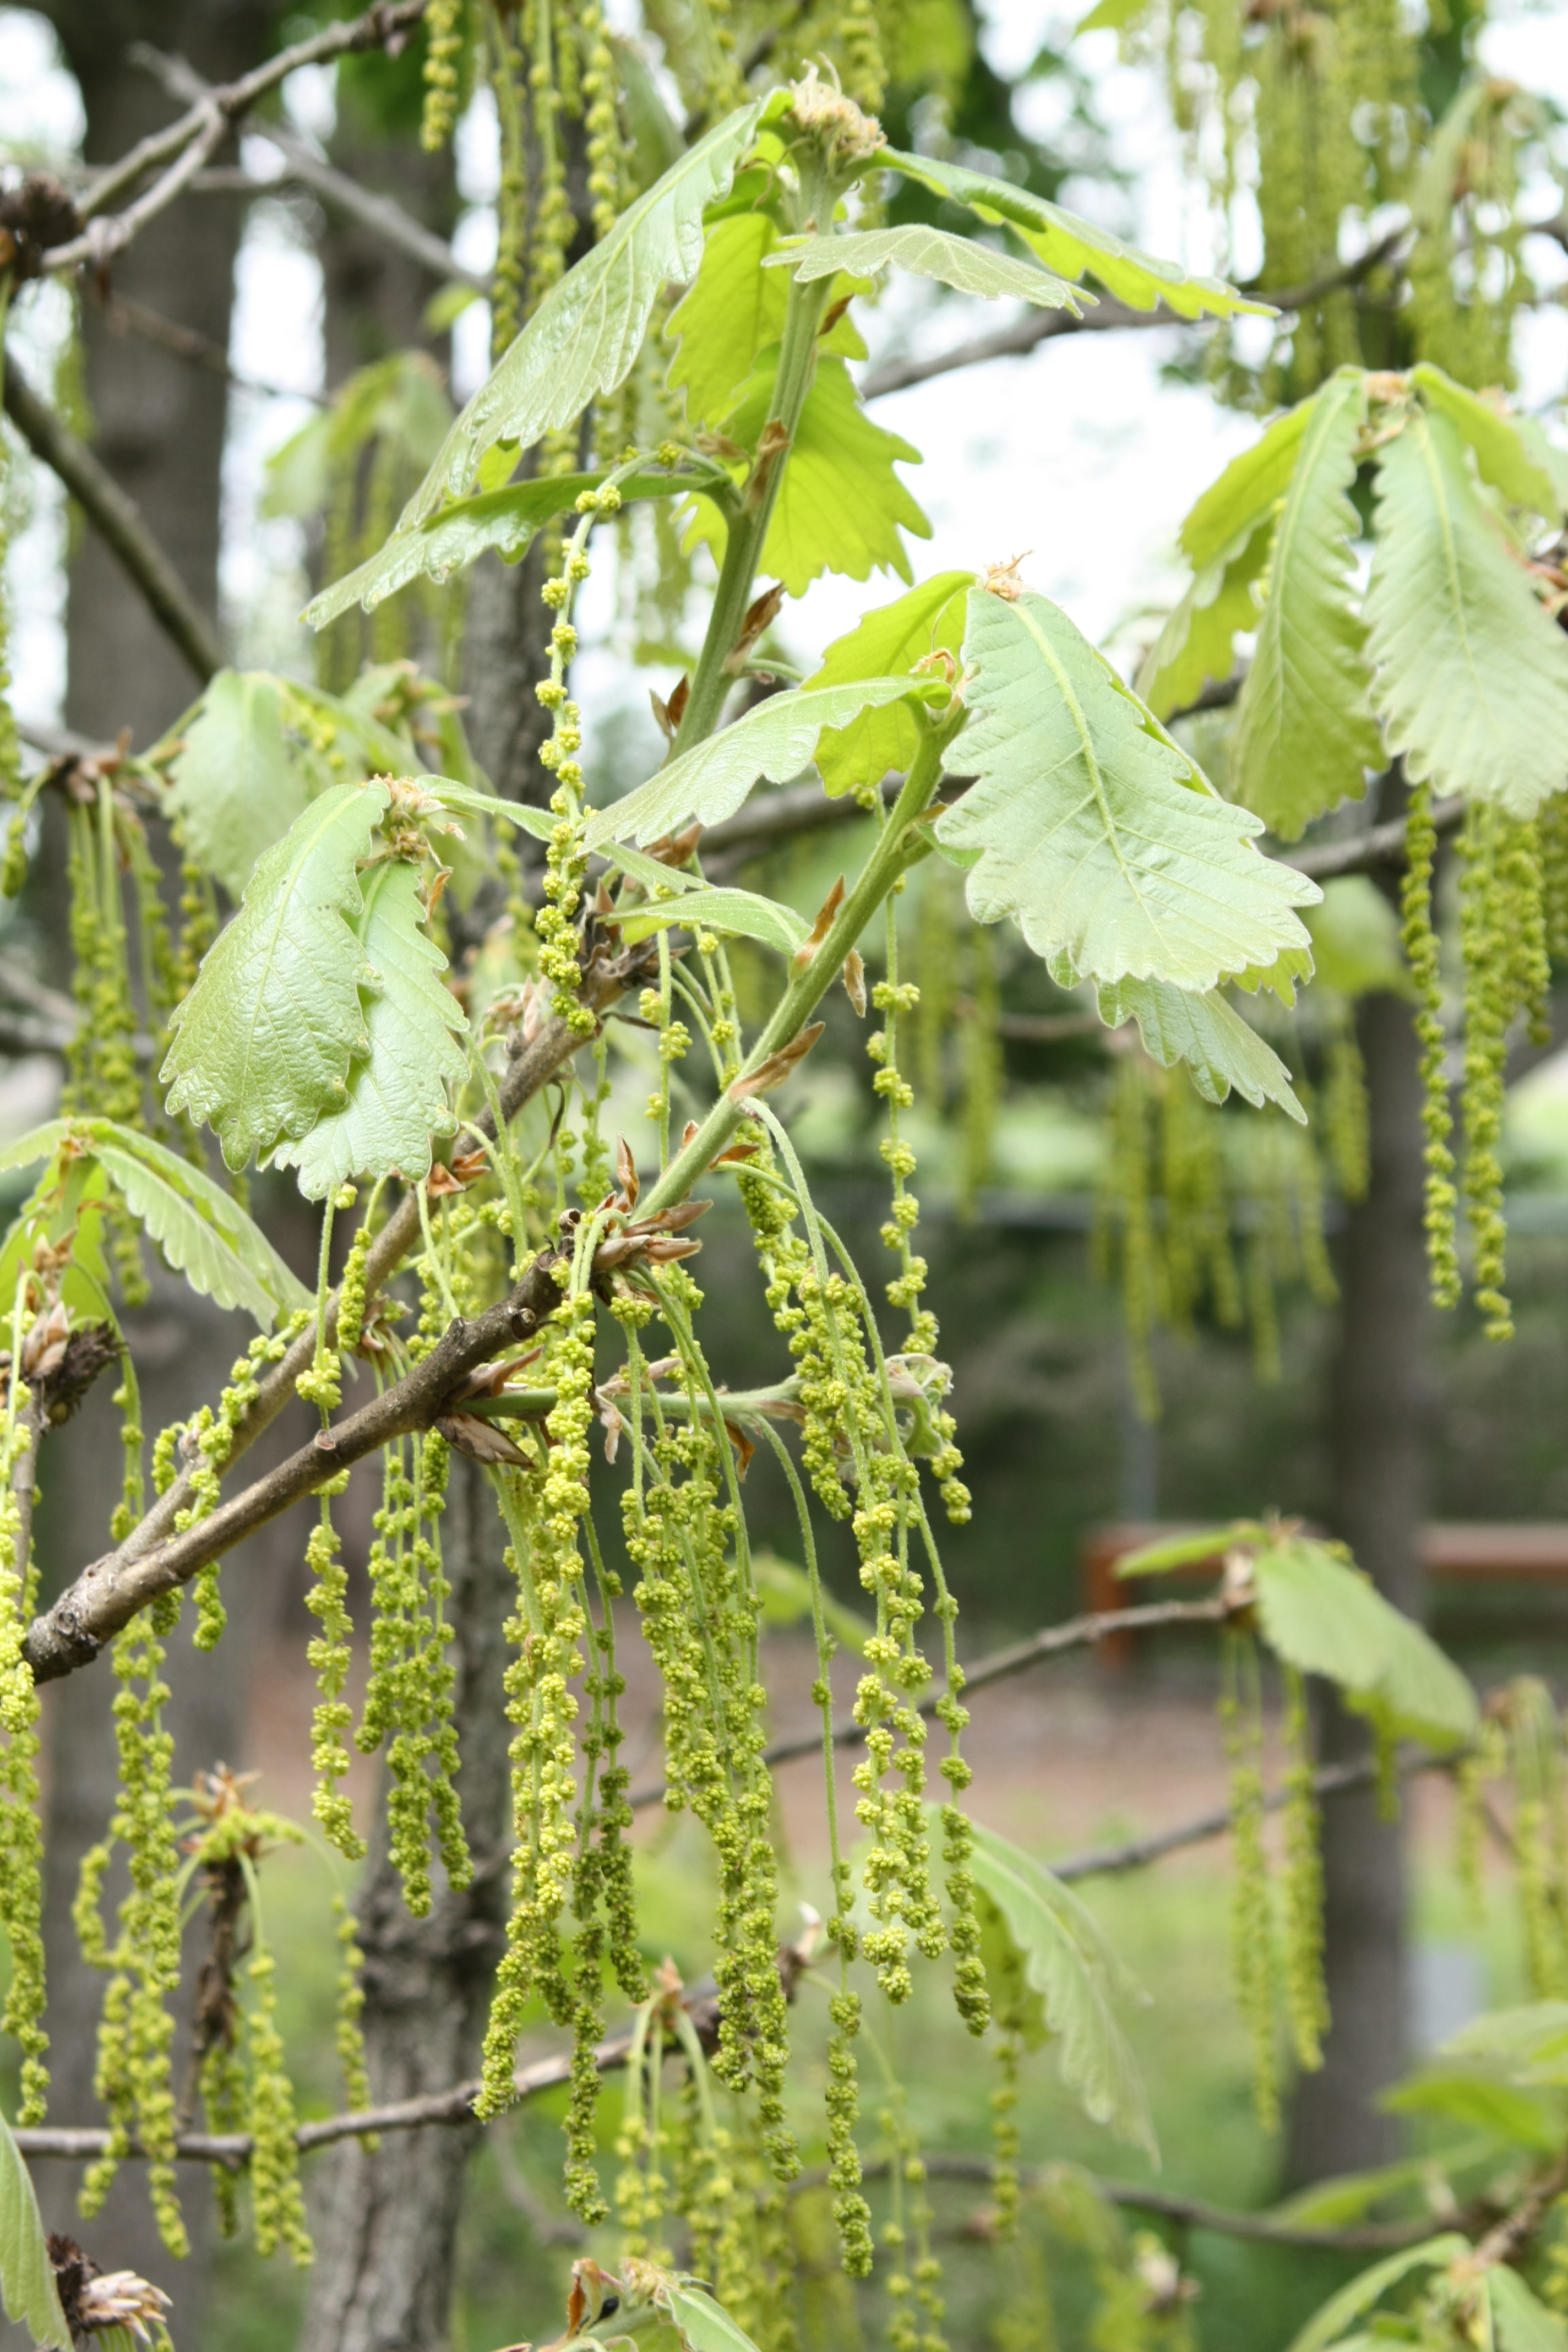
[
  {"x": 1369, "y": 2237},
  {"x": 126, "y": 316},
  {"x": 117, "y": 521},
  {"x": 1042, "y": 326},
  {"x": 382, "y": 215},
  {"x": 1076, "y": 1633},
  {"x": 1329, "y": 1781},
  {"x": 375, "y": 29},
  {"x": 1381, "y": 845}
]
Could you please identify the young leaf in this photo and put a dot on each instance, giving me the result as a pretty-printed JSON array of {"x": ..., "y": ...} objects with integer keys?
[
  {"x": 1472, "y": 677},
  {"x": 1502, "y": 455},
  {"x": 732, "y": 312},
  {"x": 468, "y": 800},
  {"x": 203, "y": 1233},
  {"x": 729, "y": 314},
  {"x": 1185, "y": 1551},
  {"x": 38, "y": 1143},
  {"x": 1070, "y": 246},
  {"x": 1198, "y": 641},
  {"x": 1323, "y": 1617},
  {"x": 1305, "y": 733},
  {"x": 507, "y": 521},
  {"x": 1249, "y": 489},
  {"x": 262, "y": 1044},
  {"x": 397, "y": 1085},
  {"x": 840, "y": 505},
  {"x": 738, "y": 911},
  {"x": 1208, "y": 1033},
  {"x": 234, "y": 787},
  {"x": 882, "y": 741},
  {"x": 773, "y": 741},
  {"x": 956, "y": 261},
  {"x": 1065, "y": 1961},
  {"x": 1091, "y": 826},
  {"x": 1520, "y": 2321},
  {"x": 703, "y": 2324},
  {"x": 1496, "y": 2108},
  {"x": 587, "y": 333},
  {"x": 27, "y": 2274},
  {"x": 1328, "y": 2324}
]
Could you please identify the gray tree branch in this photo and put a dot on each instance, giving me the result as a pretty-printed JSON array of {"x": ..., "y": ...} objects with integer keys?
[{"x": 117, "y": 521}]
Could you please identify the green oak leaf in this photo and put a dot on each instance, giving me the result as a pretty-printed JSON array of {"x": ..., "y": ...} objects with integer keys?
[
  {"x": 1328, "y": 2323},
  {"x": 507, "y": 521},
  {"x": 957, "y": 261},
  {"x": 773, "y": 742},
  {"x": 397, "y": 1097},
  {"x": 1473, "y": 675},
  {"x": 27, "y": 2274},
  {"x": 742, "y": 912},
  {"x": 703, "y": 2324},
  {"x": 235, "y": 786},
  {"x": 1324, "y": 1617},
  {"x": 1250, "y": 488},
  {"x": 883, "y": 740},
  {"x": 840, "y": 505},
  {"x": 1305, "y": 732},
  {"x": 203, "y": 1232},
  {"x": 1071, "y": 245},
  {"x": 1050, "y": 1952},
  {"x": 585, "y": 335},
  {"x": 1208, "y": 1034},
  {"x": 1503, "y": 453},
  {"x": 262, "y": 1044},
  {"x": 734, "y": 309},
  {"x": 1092, "y": 826},
  {"x": 1198, "y": 641},
  {"x": 1520, "y": 2321}
]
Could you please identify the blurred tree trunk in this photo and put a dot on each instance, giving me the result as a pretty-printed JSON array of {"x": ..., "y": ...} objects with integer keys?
[
  {"x": 158, "y": 424},
  {"x": 385, "y": 2224},
  {"x": 1381, "y": 1421}
]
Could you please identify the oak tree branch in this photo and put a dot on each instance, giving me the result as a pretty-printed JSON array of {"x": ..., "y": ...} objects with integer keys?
[{"x": 118, "y": 520}]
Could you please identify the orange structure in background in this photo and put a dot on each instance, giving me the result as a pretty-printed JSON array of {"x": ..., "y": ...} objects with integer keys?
[{"x": 1456, "y": 1550}]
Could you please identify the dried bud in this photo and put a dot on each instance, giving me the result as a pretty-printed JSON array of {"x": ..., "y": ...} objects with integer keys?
[
  {"x": 772, "y": 1073},
  {"x": 854, "y": 980}
]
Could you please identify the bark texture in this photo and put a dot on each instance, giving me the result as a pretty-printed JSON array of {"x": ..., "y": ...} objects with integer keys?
[
  {"x": 385, "y": 2224},
  {"x": 1381, "y": 1421}
]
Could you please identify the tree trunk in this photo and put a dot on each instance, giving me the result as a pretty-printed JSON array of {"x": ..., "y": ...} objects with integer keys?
[
  {"x": 1381, "y": 1430},
  {"x": 385, "y": 2224}
]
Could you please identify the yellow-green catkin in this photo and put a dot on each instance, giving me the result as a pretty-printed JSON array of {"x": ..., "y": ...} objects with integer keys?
[
  {"x": 894, "y": 998},
  {"x": 567, "y": 859},
  {"x": 348, "y": 2033},
  {"x": 1536, "y": 1755},
  {"x": 1346, "y": 1115},
  {"x": 1485, "y": 1761},
  {"x": 136, "y": 2031},
  {"x": 1421, "y": 955},
  {"x": 408, "y": 1698},
  {"x": 277, "y": 2198},
  {"x": 1252, "y": 1926},
  {"x": 1124, "y": 1220},
  {"x": 329, "y": 1652},
  {"x": 21, "y": 1837},
  {"x": 444, "y": 39},
  {"x": 1502, "y": 928},
  {"x": 1306, "y": 1995},
  {"x": 1005, "y": 2137},
  {"x": 549, "y": 1622}
]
